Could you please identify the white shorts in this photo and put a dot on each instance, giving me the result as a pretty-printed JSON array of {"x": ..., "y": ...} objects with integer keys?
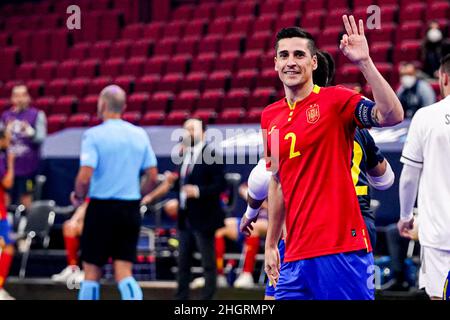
[{"x": 435, "y": 265}]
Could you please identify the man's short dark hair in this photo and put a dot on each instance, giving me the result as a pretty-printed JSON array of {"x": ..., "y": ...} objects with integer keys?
[
  {"x": 445, "y": 64},
  {"x": 296, "y": 32}
]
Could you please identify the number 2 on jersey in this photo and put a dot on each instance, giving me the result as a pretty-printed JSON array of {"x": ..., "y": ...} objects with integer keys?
[{"x": 292, "y": 152}]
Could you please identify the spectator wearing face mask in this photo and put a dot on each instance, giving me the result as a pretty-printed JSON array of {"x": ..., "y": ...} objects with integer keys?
[
  {"x": 433, "y": 48},
  {"x": 414, "y": 93}
]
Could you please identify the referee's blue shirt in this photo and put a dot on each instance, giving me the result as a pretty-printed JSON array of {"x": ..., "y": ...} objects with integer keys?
[{"x": 118, "y": 151}]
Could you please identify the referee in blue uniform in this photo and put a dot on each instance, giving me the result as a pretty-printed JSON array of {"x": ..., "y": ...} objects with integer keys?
[{"x": 113, "y": 155}]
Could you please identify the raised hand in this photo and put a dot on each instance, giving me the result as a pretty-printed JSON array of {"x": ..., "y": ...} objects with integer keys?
[{"x": 354, "y": 44}]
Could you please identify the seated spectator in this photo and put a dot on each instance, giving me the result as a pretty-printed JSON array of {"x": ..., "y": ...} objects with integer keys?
[
  {"x": 432, "y": 49},
  {"x": 414, "y": 93}
]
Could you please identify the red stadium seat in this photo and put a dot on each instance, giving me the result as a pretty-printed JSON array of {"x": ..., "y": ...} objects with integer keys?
[
  {"x": 79, "y": 51},
  {"x": 152, "y": 118},
  {"x": 9, "y": 57},
  {"x": 330, "y": 36},
  {"x": 138, "y": 101},
  {"x": 218, "y": 80},
  {"x": 225, "y": 9},
  {"x": 59, "y": 44},
  {"x": 259, "y": 41},
  {"x": 188, "y": 45},
  {"x": 174, "y": 29},
  {"x": 177, "y": 117},
  {"x": 4, "y": 39},
  {"x": 313, "y": 19},
  {"x": 26, "y": 71},
  {"x": 261, "y": 97},
  {"x": 236, "y": 98},
  {"x": 4, "y": 104},
  {"x": 153, "y": 30},
  {"x": 125, "y": 82},
  {"x": 250, "y": 60},
  {"x": 220, "y": 26},
  {"x": 90, "y": 32},
  {"x": 206, "y": 115},
  {"x": 211, "y": 99},
  {"x": 8, "y": 86},
  {"x": 100, "y": 50},
  {"x": 133, "y": 117},
  {"x": 56, "y": 87},
  {"x": 230, "y": 116},
  {"x": 227, "y": 61},
  {"x": 134, "y": 66},
  {"x": 141, "y": 48},
  {"x": 112, "y": 67},
  {"x": 182, "y": 13},
  {"x": 410, "y": 30},
  {"x": 121, "y": 49},
  {"x": 288, "y": 19},
  {"x": 204, "y": 62},
  {"x": 386, "y": 70},
  {"x": 88, "y": 104},
  {"x": 194, "y": 81},
  {"x": 349, "y": 73},
  {"x": 267, "y": 78},
  {"x": 271, "y": 7},
  {"x": 408, "y": 50},
  {"x": 40, "y": 45},
  {"x": 264, "y": 23},
  {"x": 64, "y": 105},
  {"x": 253, "y": 115},
  {"x": 66, "y": 69},
  {"x": 78, "y": 120},
  {"x": 438, "y": 10},
  {"x": 147, "y": 83},
  {"x": 210, "y": 44},
  {"x": 242, "y": 24},
  {"x": 133, "y": 31},
  {"x": 98, "y": 84},
  {"x": 413, "y": 12},
  {"x": 110, "y": 24},
  {"x": 95, "y": 120},
  {"x": 232, "y": 42},
  {"x": 44, "y": 103},
  {"x": 380, "y": 51},
  {"x": 35, "y": 87},
  {"x": 186, "y": 100},
  {"x": 22, "y": 39},
  {"x": 246, "y": 8},
  {"x": 87, "y": 68},
  {"x": 178, "y": 63},
  {"x": 337, "y": 4},
  {"x": 56, "y": 122},
  {"x": 334, "y": 18},
  {"x": 245, "y": 78},
  {"x": 171, "y": 82},
  {"x": 385, "y": 34},
  {"x": 196, "y": 28},
  {"x": 165, "y": 47},
  {"x": 46, "y": 71},
  {"x": 156, "y": 65},
  {"x": 205, "y": 10},
  {"x": 160, "y": 101},
  {"x": 314, "y": 5},
  {"x": 77, "y": 87}
]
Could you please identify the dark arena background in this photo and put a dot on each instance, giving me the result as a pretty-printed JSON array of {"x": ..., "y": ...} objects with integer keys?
[{"x": 207, "y": 59}]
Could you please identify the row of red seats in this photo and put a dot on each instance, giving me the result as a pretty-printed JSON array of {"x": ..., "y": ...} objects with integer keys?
[{"x": 57, "y": 122}]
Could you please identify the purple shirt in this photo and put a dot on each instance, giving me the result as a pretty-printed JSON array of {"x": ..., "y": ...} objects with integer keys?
[{"x": 22, "y": 145}]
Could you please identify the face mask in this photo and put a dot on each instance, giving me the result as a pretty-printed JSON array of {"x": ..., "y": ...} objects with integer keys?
[
  {"x": 434, "y": 35},
  {"x": 407, "y": 81}
]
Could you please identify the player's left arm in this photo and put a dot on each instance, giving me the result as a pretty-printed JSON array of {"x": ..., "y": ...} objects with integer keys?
[{"x": 387, "y": 110}]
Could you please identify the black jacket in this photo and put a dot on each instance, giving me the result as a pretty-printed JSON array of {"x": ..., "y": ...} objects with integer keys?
[{"x": 204, "y": 214}]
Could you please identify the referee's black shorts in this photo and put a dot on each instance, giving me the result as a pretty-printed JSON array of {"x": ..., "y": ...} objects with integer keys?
[{"x": 111, "y": 229}]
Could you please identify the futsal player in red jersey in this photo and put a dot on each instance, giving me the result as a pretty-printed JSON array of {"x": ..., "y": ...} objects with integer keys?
[{"x": 308, "y": 138}]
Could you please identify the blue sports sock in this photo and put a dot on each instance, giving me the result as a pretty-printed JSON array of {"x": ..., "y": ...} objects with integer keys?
[
  {"x": 129, "y": 289},
  {"x": 89, "y": 290}
]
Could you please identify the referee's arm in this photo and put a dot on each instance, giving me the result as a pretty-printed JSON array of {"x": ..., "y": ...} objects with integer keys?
[{"x": 82, "y": 181}]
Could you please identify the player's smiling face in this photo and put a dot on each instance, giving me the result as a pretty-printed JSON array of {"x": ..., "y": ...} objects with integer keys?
[{"x": 294, "y": 62}]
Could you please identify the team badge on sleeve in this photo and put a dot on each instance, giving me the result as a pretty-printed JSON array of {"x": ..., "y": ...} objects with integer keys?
[{"x": 313, "y": 113}]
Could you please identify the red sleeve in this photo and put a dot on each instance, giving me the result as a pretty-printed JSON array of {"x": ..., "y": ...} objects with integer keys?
[
  {"x": 347, "y": 101},
  {"x": 264, "y": 128}
]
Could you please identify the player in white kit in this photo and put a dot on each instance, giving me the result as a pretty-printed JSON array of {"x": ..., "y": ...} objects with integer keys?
[{"x": 426, "y": 173}]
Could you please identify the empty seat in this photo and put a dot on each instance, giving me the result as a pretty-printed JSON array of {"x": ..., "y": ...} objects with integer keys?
[
  {"x": 264, "y": 23},
  {"x": 259, "y": 40},
  {"x": 229, "y": 116},
  {"x": 171, "y": 82},
  {"x": 133, "y": 31},
  {"x": 313, "y": 19},
  {"x": 174, "y": 29},
  {"x": 138, "y": 101},
  {"x": 56, "y": 122},
  {"x": 35, "y": 87},
  {"x": 261, "y": 97},
  {"x": 177, "y": 117},
  {"x": 110, "y": 24},
  {"x": 246, "y": 8},
  {"x": 112, "y": 67},
  {"x": 267, "y": 78},
  {"x": 147, "y": 83},
  {"x": 220, "y": 26},
  {"x": 152, "y": 118},
  {"x": 210, "y": 44},
  {"x": 196, "y": 28},
  {"x": 380, "y": 51},
  {"x": 413, "y": 12},
  {"x": 179, "y": 63},
  {"x": 270, "y": 7},
  {"x": 125, "y": 82},
  {"x": 183, "y": 13},
  {"x": 218, "y": 80},
  {"x": 100, "y": 50},
  {"x": 26, "y": 71},
  {"x": 232, "y": 42},
  {"x": 156, "y": 65},
  {"x": 132, "y": 116},
  {"x": 205, "y": 10},
  {"x": 79, "y": 51},
  {"x": 121, "y": 49},
  {"x": 250, "y": 60},
  {"x": 87, "y": 68},
  {"x": 142, "y": 48},
  {"x": 410, "y": 30},
  {"x": 408, "y": 50},
  {"x": 165, "y": 47},
  {"x": 56, "y": 87},
  {"x": 211, "y": 99},
  {"x": 188, "y": 45},
  {"x": 227, "y": 61},
  {"x": 66, "y": 69},
  {"x": 64, "y": 105},
  {"x": 98, "y": 84},
  {"x": 206, "y": 115},
  {"x": 44, "y": 103},
  {"x": 78, "y": 120},
  {"x": 152, "y": 30},
  {"x": 194, "y": 81},
  {"x": 78, "y": 87},
  {"x": 186, "y": 100},
  {"x": 236, "y": 98},
  {"x": 242, "y": 25},
  {"x": 349, "y": 73},
  {"x": 438, "y": 10},
  {"x": 134, "y": 66},
  {"x": 88, "y": 104},
  {"x": 245, "y": 79},
  {"x": 160, "y": 101},
  {"x": 204, "y": 62},
  {"x": 225, "y": 9},
  {"x": 253, "y": 115}
]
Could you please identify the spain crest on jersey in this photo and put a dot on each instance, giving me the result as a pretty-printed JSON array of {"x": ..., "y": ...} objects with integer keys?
[{"x": 313, "y": 113}]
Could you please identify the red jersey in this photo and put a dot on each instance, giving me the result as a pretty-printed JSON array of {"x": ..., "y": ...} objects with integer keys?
[{"x": 315, "y": 138}]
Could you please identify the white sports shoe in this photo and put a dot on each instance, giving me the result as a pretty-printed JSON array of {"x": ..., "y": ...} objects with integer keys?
[
  {"x": 67, "y": 272},
  {"x": 4, "y": 295},
  {"x": 244, "y": 281},
  {"x": 200, "y": 282}
]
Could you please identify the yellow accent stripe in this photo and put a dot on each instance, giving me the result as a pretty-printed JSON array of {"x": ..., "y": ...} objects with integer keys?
[
  {"x": 362, "y": 190},
  {"x": 316, "y": 89},
  {"x": 365, "y": 240},
  {"x": 445, "y": 290}
]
